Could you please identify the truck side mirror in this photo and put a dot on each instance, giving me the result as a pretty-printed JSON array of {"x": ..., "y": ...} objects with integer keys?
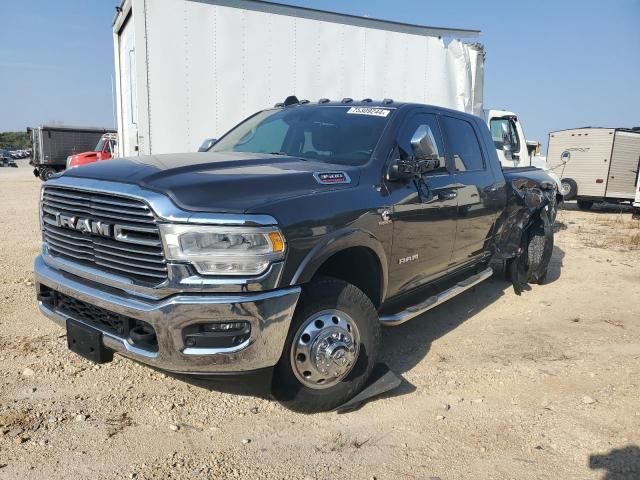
[
  {"x": 507, "y": 148},
  {"x": 424, "y": 145},
  {"x": 207, "y": 144}
]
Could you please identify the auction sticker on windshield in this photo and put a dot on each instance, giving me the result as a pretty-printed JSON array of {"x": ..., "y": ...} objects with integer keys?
[{"x": 376, "y": 112}]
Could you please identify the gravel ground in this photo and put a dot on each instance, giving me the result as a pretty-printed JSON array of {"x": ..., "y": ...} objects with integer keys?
[{"x": 542, "y": 386}]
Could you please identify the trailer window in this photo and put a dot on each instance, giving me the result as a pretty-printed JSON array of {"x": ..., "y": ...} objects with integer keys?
[{"x": 327, "y": 134}]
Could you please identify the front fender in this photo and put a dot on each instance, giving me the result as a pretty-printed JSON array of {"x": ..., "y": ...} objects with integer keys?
[{"x": 336, "y": 242}]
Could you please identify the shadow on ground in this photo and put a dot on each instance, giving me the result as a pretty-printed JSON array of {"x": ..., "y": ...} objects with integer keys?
[
  {"x": 618, "y": 464},
  {"x": 407, "y": 345},
  {"x": 598, "y": 208}
]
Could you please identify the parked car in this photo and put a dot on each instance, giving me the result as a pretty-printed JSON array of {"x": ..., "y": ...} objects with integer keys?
[
  {"x": 6, "y": 160},
  {"x": 104, "y": 150},
  {"x": 276, "y": 256}
]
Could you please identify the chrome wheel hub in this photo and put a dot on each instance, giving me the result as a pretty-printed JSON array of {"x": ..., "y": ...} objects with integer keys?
[
  {"x": 564, "y": 188},
  {"x": 324, "y": 349}
]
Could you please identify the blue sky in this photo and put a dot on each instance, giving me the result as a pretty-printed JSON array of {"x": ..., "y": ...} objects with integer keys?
[{"x": 557, "y": 64}]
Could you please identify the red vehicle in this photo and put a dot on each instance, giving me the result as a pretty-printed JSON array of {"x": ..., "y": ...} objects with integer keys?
[{"x": 105, "y": 149}]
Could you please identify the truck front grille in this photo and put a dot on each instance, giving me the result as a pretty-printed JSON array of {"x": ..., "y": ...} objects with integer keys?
[{"x": 138, "y": 256}]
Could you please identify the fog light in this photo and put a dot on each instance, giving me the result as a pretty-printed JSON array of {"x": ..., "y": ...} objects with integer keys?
[
  {"x": 224, "y": 327},
  {"x": 216, "y": 334}
]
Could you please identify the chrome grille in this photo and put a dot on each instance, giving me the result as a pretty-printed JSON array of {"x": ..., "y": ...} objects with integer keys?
[{"x": 137, "y": 256}]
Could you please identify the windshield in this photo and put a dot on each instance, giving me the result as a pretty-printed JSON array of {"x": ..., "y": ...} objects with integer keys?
[
  {"x": 341, "y": 135},
  {"x": 100, "y": 145}
]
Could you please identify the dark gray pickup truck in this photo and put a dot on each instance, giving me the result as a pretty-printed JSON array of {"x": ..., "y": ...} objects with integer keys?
[{"x": 277, "y": 255}]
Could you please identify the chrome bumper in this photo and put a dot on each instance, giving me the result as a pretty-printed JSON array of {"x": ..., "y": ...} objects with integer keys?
[{"x": 269, "y": 314}]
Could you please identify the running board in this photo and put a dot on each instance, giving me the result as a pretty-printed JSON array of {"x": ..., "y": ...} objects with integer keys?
[{"x": 429, "y": 303}]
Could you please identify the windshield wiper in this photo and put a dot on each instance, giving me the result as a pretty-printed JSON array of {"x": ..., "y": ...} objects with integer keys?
[{"x": 285, "y": 154}]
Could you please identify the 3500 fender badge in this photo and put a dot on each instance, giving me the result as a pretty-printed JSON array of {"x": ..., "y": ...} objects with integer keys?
[{"x": 329, "y": 178}]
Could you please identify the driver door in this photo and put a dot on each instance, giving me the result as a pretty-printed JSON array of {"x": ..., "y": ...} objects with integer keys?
[{"x": 424, "y": 215}]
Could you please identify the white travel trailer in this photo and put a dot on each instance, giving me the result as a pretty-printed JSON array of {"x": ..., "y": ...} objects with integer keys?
[
  {"x": 596, "y": 164},
  {"x": 636, "y": 203},
  {"x": 187, "y": 70}
]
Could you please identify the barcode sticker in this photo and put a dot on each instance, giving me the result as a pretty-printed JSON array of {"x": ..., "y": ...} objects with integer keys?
[{"x": 376, "y": 112}]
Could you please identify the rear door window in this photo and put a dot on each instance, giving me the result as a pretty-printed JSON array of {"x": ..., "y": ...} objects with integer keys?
[{"x": 462, "y": 145}]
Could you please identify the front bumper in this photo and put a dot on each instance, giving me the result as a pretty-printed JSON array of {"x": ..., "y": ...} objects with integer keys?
[{"x": 269, "y": 314}]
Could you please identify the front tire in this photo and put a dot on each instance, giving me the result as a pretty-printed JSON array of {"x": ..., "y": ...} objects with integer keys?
[
  {"x": 331, "y": 348},
  {"x": 46, "y": 173}
]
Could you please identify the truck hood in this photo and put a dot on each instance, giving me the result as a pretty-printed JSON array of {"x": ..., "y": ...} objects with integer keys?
[
  {"x": 84, "y": 155},
  {"x": 227, "y": 182},
  {"x": 83, "y": 158}
]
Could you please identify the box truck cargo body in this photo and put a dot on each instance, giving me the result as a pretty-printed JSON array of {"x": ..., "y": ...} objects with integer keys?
[
  {"x": 187, "y": 70},
  {"x": 596, "y": 164}
]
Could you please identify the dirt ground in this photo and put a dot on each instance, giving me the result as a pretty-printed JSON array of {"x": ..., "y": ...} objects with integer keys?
[{"x": 496, "y": 386}]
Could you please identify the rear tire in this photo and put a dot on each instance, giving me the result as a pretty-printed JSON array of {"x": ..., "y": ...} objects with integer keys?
[
  {"x": 585, "y": 204},
  {"x": 331, "y": 348},
  {"x": 569, "y": 188}
]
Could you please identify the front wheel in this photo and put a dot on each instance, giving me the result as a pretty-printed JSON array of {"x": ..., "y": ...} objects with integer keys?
[
  {"x": 331, "y": 348},
  {"x": 46, "y": 173}
]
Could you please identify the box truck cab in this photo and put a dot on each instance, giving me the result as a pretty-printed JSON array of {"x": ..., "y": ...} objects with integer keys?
[
  {"x": 104, "y": 150},
  {"x": 513, "y": 148}
]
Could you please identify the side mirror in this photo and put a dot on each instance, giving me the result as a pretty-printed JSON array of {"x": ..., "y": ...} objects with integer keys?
[
  {"x": 506, "y": 141},
  {"x": 401, "y": 170},
  {"x": 424, "y": 145},
  {"x": 207, "y": 144},
  {"x": 425, "y": 158}
]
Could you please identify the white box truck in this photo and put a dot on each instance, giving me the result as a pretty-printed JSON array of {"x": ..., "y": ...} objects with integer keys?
[
  {"x": 187, "y": 70},
  {"x": 596, "y": 164}
]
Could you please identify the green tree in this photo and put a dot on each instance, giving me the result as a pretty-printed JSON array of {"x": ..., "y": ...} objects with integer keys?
[{"x": 15, "y": 140}]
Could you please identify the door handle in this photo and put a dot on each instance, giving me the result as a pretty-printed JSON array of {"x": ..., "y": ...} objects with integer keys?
[{"x": 448, "y": 195}]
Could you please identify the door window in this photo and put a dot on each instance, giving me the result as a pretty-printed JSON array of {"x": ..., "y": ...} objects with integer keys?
[
  {"x": 413, "y": 125},
  {"x": 463, "y": 146}
]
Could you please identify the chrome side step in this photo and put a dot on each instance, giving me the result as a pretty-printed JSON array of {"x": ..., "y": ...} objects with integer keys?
[{"x": 429, "y": 303}]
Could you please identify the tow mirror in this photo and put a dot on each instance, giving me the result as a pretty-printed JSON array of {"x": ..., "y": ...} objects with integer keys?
[
  {"x": 425, "y": 158},
  {"x": 207, "y": 144},
  {"x": 423, "y": 144}
]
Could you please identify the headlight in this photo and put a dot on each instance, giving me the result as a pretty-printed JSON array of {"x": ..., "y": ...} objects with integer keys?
[{"x": 224, "y": 250}]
